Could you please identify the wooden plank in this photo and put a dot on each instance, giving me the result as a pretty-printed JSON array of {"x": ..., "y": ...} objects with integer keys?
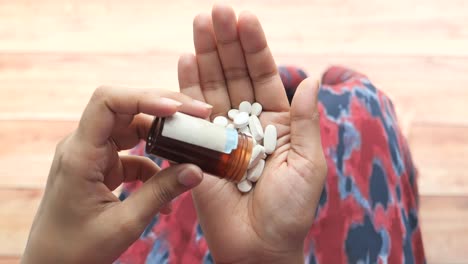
[
  {"x": 27, "y": 151},
  {"x": 17, "y": 211},
  {"x": 440, "y": 153},
  {"x": 445, "y": 232},
  {"x": 305, "y": 27},
  {"x": 444, "y": 228},
  {"x": 9, "y": 259},
  {"x": 34, "y": 83}
]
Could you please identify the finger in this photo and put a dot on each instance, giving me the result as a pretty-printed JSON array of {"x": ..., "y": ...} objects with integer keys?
[
  {"x": 231, "y": 55},
  {"x": 159, "y": 190},
  {"x": 189, "y": 81},
  {"x": 305, "y": 128},
  {"x": 108, "y": 103},
  {"x": 130, "y": 169},
  {"x": 209, "y": 66},
  {"x": 129, "y": 131},
  {"x": 268, "y": 88}
]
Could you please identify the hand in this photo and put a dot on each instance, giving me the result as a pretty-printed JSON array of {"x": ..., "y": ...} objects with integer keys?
[
  {"x": 233, "y": 63},
  {"x": 79, "y": 219}
]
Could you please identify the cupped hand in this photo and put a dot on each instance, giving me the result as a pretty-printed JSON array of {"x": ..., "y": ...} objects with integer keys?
[
  {"x": 80, "y": 220},
  {"x": 233, "y": 63}
]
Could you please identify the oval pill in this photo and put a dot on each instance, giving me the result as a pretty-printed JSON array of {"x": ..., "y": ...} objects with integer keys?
[
  {"x": 241, "y": 120},
  {"x": 221, "y": 121},
  {"x": 255, "y": 127},
  {"x": 269, "y": 139},
  {"x": 232, "y": 113},
  {"x": 256, "y": 109},
  {"x": 244, "y": 186},
  {"x": 257, "y": 154},
  {"x": 245, "y": 106},
  {"x": 254, "y": 173}
]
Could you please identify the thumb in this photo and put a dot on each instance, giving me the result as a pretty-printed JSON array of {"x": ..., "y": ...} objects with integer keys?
[
  {"x": 305, "y": 125},
  {"x": 158, "y": 191}
]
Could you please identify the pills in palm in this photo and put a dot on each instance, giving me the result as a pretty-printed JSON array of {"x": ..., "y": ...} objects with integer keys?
[
  {"x": 256, "y": 109},
  {"x": 257, "y": 154},
  {"x": 255, "y": 127},
  {"x": 250, "y": 135},
  {"x": 232, "y": 113},
  {"x": 241, "y": 120},
  {"x": 221, "y": 121},
  {"x": 269, "y": 139},
  {"x": 245, "y": 106},
  {"x": 245, "y": 130},
  {"x": 244, "y": 186},
  {"x": 254, "y": 173},
  {"x": 246, "y": 120}
]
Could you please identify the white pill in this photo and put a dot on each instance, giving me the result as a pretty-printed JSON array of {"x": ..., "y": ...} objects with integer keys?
[
  {"x": 269, "y": 140},
  {"x": 244, "y": 186},
  {"x": 230, "y": 126},
  {"x": 245, "y": 130},
  {"x": 232, "y": 113},
  {"x": 245, "y": 106},
  {"x": 253, "y": 139},
  {"x": 255, "y": 127},
  {"x": 256, "y": 109},
  {"x": 221, "y": 121},
  {"x": 257, "y": 154},
  {"x": 241, "y": 120},
  {"x": 254, "y": 173}
]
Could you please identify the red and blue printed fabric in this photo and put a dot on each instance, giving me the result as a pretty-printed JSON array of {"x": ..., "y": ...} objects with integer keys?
[{"x": 368, "y": 211}]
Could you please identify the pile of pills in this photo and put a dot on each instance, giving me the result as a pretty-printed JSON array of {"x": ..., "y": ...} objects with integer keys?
[{"x": 245, "y": 120}]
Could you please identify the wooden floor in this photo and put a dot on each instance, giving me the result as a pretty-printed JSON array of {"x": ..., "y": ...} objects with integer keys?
[{"x": 53, "y": 55}]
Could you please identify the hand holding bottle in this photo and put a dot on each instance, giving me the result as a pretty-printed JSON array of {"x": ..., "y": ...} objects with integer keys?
[{"x": 80, "y": 220}]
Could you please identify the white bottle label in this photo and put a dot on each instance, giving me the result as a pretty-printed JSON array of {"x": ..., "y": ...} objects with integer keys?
[{"x": 200, "y": 132}]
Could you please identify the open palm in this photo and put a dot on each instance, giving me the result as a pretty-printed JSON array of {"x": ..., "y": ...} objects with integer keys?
[{"x": 233, "y": 64}]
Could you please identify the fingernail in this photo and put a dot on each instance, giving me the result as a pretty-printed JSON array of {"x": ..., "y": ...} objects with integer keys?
[
  {"x": 170, "y": 102},
  {"x": 203, "y": 104},
  {"x": 190, "y": 176}
]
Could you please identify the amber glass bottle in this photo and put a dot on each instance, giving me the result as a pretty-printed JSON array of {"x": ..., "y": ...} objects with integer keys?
[{"x": 219, "y": 151}]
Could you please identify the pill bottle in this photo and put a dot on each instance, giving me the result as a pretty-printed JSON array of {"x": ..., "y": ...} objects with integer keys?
[{"x": 217, "y": 150}]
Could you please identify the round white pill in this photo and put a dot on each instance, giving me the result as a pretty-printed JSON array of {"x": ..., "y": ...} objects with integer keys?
[
  {"x": 256, "y": 109},
  {"x": 257, "y": 154},
  {"x": 245, "y": 106},
  {"x": 254, "y": 173},
  {"x": 269, "y": 139},
  {"x": 241, "y": 120},
  {"x": 232, "y": 113},
  {"x": 230, "y": 126},
  {"x": 244, "y": 186},
  {"x": 255, "y": 127},
  {"x": 221, "y": 121}
]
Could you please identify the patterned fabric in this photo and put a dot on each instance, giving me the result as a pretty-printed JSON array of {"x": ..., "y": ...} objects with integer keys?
[{"x": 368, "y": 211}]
